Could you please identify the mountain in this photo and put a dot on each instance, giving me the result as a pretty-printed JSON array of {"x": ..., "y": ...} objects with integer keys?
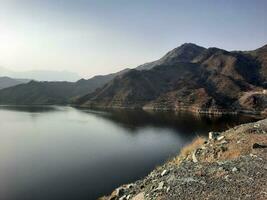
[
  {"x": 6, "y": 82},
  {"x": 35, "y": 92},
  {"x": 41, "y": 75},
  {"x": 193, "y": 78}
]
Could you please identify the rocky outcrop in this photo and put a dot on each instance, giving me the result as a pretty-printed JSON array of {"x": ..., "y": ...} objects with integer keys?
[{"x": 228, "y": 165}]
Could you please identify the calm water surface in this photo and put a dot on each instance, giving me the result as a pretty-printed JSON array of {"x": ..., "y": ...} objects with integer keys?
[{"x": 56, "y": 153}]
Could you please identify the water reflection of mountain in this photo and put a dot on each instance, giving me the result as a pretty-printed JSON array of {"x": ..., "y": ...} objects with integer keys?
[
  {"x": 180, "y": 122},
  {"x": 30, "y": 109}
]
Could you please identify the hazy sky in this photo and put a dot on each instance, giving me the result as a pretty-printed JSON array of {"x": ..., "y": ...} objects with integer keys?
[{"x": 101, "y": 36}]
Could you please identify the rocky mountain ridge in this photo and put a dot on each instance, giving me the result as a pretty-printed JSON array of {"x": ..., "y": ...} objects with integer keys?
[
  {"x": 191, "y": 78},
  {"x": 6, "y": 82},
  {"x": 52, "y": 92}
]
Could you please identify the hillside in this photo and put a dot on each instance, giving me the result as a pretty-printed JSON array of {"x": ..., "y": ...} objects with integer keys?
[
  {"x": 6, "y": 82},
  {"x": 192, "y": 78},
  {"x": 228, "y": 165},
  {"x": 34, "y": 92}
]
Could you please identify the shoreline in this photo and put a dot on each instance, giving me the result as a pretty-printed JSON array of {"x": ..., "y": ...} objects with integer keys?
[{"x": 189, "y": 109}]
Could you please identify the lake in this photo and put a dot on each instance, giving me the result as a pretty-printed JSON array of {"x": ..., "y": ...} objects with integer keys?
[{"x": 56, "y": 153}]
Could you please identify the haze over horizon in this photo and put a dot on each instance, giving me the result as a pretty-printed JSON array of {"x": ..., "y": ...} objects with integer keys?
[{"x": 99, "y": 37}]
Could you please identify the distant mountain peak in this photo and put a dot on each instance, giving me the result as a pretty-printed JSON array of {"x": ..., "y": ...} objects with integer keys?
[
  {"x": 184, "y": 53},
  {"x": 189, "y": 45}
]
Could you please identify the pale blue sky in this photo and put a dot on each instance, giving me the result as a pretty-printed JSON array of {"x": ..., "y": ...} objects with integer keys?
[{"x": 102, "y": 36}]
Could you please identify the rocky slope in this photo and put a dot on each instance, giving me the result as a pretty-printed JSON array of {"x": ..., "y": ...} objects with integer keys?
[
  {"x": 192, "y": 78},
  {"x": 229, "y": 165}
]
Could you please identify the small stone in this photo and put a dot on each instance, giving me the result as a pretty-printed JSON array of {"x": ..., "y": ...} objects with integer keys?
[
  {"x": 220, "y": 168},
  {"x": 160, "y": 187},
  {"x": 251, "y": 179},
  {"x": 223, "y": 148},
  {"x": 227, "y": 177},
  {"x": 253, "y": 155},
  {"x": 203, "y": 148},
  {"x": 213, "y": 135},
  {"x": 220, "y": 163},
  {"x": 224, "y": 142},
  {"x": 256, "y": 125},
  {"x": 203, "y": 182},
  {"x": 117, "y": 193},
  {"x": 194, "y": 157},
  {"x": 168, "y": 189},
  {"x": 234, "y": 169},
  {"x": 123, "y": 197},
  {"x": 220, "y": 138},
  {"x": 188, "y": 180},
  {"x": 164, "y": 172},
  {"x": 129, "y": 186},
  {"x": 170, "y": 178}
]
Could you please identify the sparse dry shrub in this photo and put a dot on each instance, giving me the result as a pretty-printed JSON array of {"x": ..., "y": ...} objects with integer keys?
[{"x": 188, "y": 149}]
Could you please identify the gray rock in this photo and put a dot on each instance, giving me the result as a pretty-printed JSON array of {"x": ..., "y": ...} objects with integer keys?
[
  {"x": 234, "y": 169},
  {"x": 160, "y": 186}
]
